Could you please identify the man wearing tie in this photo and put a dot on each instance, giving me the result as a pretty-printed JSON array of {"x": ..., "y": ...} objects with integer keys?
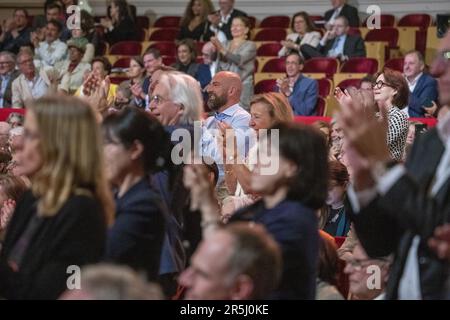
[
  {"x": 340, "y": 8},
  {"x": 337, "y": 43}
]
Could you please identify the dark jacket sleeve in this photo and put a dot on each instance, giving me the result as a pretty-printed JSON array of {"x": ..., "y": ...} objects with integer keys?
[
  {"x": 203, "y": 75},
  {"x": 136, "y": 237},
  {"x": 419, "y": 97},
  {"x": 351, "y": 13},
  {"x": 125, "y": 31},
  {"x": 356, "y": 47},
  {"x": 74, "y": 237}
]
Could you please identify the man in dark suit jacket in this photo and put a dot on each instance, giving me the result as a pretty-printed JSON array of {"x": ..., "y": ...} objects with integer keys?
[
  {"x": 222, "y": 19},
  {"x": 337, "y": 43},
  {"x": 422, "y": 86},
  {"x": 7, "y": 76},
  {"x": 397, "y": 209},
  {"x": 340, "y": 8}
]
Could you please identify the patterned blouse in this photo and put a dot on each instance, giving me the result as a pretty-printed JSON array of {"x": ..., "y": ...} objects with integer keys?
[{"x": 397, "y": 132}]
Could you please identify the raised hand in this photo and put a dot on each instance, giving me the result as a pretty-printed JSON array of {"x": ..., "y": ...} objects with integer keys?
[{"x": 440, "y": 242}]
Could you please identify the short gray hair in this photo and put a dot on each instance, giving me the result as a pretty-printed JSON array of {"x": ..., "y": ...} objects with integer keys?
[
  {"x": 10, "y": 55},
  {"x": 185, "y": 90}
]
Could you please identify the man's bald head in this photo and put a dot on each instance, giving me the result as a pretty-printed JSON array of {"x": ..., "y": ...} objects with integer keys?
[
  {"x": 209, "y": 53},
  {"x": 441, "y": 69},
  {"x": 224, "y": 90}
]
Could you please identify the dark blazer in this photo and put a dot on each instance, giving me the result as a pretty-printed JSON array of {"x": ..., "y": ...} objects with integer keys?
[
  {"x": 389, "y": 223},
  {"x": 294, "y": 228},
  {"x": 351, "y": 13},
  {"x": 7, "y": 97},
  {"x": 304, "y": 96},
  {"x": 125, "y": 31},
  {"x": 426, "y": 89},
  {"x": 201, "y": 33},
  {"x": 226, "y": 28},
  {"x": 353, "y": 46},
  {"x": 13, "y": 44},
  {"x": 74, "y": 236},
  {"x": 136, "y": 237}
]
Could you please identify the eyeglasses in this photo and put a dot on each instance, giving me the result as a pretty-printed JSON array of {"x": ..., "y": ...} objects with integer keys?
[
  {"x": 380, "y": 84},
  {"x": 157, "y": 100}
]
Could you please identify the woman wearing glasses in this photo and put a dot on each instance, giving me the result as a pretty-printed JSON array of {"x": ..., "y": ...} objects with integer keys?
[{"x": 391, "y": 93}]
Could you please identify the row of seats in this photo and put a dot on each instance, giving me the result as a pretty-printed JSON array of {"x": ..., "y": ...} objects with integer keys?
[{"x": 386, "y": 20}]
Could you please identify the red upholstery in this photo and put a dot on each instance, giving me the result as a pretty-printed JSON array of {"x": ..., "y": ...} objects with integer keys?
[
  {"x": 395, "y": 64},
  {"x": 167, "y": 22},
  {"x": 122, "y": 63},
  {"x": 4, "y": 112},
  {"x": 386, "y": 20},
  {"x": 324, "y": 87},
  {"x": 142, "y": 22},
  {"x": 267, "y": 85},
  {"x": 126, "y": 48},
  {"x": 166, "y": 48},
  {"x": 102, "y": 48},
  {"x": 199, "y": 47},
  {"x": 270, "y": 34},
  {"x": 344, "y": 84},
  {"x": 421, "y": 20},
  {"x": 275, "y": 22},
  {"x": 168, "y": 60},
  {"x": 320, "y": 106},
  {"x": 117, "y": 80},
  {"x": 275, "y": 65},
  {"x": 321, "y": 65},
  {"x": 269, "y": 49},
  {"x": 339, "y": 241},
  {"x": 164, "y": 34},
  {"x": 387, "y": 34},
  {"x": 360, "y": 65}
]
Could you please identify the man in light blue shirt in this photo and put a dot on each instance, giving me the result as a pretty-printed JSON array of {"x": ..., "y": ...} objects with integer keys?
[{"x": 224, "y": 93}]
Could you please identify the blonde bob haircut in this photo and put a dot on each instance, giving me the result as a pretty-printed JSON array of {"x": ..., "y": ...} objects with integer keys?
[
  {"x": 277, "y": 105},
  {"x": 71, "y": 152}
]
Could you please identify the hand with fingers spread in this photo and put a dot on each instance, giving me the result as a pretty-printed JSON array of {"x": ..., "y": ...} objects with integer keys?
[
  {"x": 136, "y": 90},
  {"x": 440, "y": 242},
  {"x": 195, "y": 178},
  {"x": 365, "y": 132}
]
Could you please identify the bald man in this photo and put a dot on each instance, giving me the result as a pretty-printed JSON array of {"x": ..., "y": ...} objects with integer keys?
[{"x": 224, "y": 92}]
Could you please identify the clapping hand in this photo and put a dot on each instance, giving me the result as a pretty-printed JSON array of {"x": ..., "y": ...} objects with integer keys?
[{"x": 440, "y": 242}]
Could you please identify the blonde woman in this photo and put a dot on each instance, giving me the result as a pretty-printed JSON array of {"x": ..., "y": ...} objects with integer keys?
[
  {"x": 61, "y": 221},
  {"x": 266, "y": 110}
]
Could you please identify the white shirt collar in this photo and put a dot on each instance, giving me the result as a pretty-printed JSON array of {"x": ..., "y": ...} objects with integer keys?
[{"x": 414, "y": 81}]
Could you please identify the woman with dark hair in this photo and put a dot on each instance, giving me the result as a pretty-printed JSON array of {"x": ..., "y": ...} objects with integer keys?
[
  {"x": 186, "y": 58},
  {"x": 304, "y": 32},
  {"x": 135, "y": 74},
  {"x": 120, "y": 25},
  {"x": 239, "y": 56},
  {"x": 135, "y": 147},
  {"x": 293, "y": 184},
  {"x": 391, "y": 93},
  {"x": 336, "y": 222},
  {"x": 194, "y": 24},
  {"x": 327, "y": 276}
]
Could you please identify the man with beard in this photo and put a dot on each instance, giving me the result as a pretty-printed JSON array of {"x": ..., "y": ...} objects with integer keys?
[{"x": 224, "y": 93}]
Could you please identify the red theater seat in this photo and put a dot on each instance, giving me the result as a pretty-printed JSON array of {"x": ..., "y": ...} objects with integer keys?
[
  {"x": 395, "y": 64},
  {"x": 126, "y": 48},
  {"x": 360, "y": 65},
  {"x": 420, "y": 20},
  {"x": 264, "y": 86},
  {"x": 167, "y": 22},
  {"x": 328, "y": 66},
  {"x": 164, "y": 34},
  {"x": 166, "y": 48},
  {"x": 270, "y": 34},
  {"x": 386, "y": 20},
  {"x": 275, "y": 22},
  {"x": 275, "y": 65},
  {"x": 269, "y": 49}
]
